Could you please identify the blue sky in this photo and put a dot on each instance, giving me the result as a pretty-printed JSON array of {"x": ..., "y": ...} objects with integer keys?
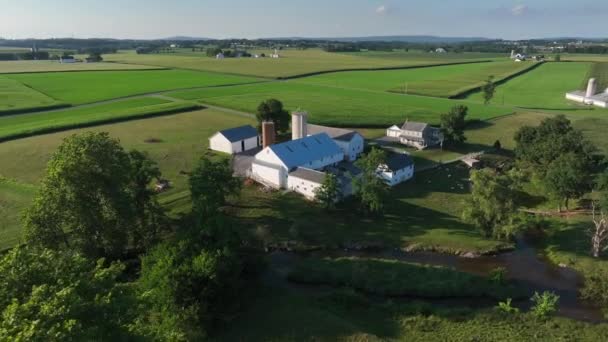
[{"x": 509, "y": 19}]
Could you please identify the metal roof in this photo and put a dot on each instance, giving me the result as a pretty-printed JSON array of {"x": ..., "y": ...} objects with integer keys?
[
  {"x": 399, "y": 161},
  {"x": 308, "y": 174},
  {"x": 414, "y": 126},
  {"x": 300, "y": 152},
  {"x": 239, "y": 133},
  {"x": 335, "y": 133}
]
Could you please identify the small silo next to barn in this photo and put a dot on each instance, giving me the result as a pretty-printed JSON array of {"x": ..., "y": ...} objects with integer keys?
[
  {"x": 299, "y": 124},
  {"x": 591, "y": 87}
]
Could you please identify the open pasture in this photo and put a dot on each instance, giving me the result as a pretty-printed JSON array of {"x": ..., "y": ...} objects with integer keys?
[
  {"x": 441, "y": 81},
  {"x": 291, "y": 63},
  {"x": 84, "y": 87},
  {"x": 174, "y": 141},
  {"x": 338, "y": 106},
  {"x": 20, "y": 125},
  {"x": 16, "y": 67},
  {"x": 14, "y": 96}
]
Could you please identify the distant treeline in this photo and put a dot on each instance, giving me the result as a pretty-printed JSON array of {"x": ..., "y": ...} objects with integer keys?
[{"x": 17, "y": 56}]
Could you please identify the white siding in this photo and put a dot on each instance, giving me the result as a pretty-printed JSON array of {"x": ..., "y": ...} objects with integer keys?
[
  {"x": 303, "y": 186},
  {"x": 219, "y": 143},
  {"x": 353, "y": 148},
  {"x": 269, "y": 174},
  {"x": 398, "y": 177},
  {"x": 394, "y": 132}
]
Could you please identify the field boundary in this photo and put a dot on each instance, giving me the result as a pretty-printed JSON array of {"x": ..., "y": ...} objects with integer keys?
[
  {"x": 31, "y": 110},
  {"x": 150, "y": 68},
  {"x": 316, "y": 73},
  {"x": 464, "y": 94},
  {"x": 93, "y": 123}
]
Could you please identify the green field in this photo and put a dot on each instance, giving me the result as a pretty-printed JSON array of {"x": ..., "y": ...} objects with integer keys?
[
  {"x": 441, "y": 81},
  {"x": 14, "y": 95},
  {"x": 84, "y": 87},
  {"x": 339, "y": 106},
  {"x": 14, "y": 198},
  {"x": 293, "y": 62},
  {"x": 18, "y": 125},
  {"x": 542, "y": 88},
  {"x": 11, "y": 67}
]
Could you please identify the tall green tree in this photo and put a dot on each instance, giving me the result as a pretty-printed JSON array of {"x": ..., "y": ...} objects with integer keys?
[
  {"x": 567, "y": 178},
  {"x": 48, "y": 295},
  {"x": 92, "y": 200},
  {"x": 211, "y": 184},
  {"x": 272, "y": 110},
  {"x": 453, "y": 124},
  {"x": 369, "y": 187},
  {"x": 488, "y": 90},
  {"x": 329, "y": 192},
  {"x": 492, "y": 204}
]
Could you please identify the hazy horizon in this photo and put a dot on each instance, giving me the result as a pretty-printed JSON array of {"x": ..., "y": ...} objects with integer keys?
[{"x": 129, "y": 19}]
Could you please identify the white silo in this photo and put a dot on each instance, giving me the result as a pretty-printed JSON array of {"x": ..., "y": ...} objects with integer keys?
[
  {"x": 591, "y": 87},
  {"x": 299, "y": 124}
]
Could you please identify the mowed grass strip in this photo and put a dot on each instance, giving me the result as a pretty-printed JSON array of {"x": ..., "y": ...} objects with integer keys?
[
  {"x": 339, "y": 106},
  {"x": 13, "y": 67},
  {"x": 85, "y": 87},
  {"x": 16, "y": 126},
  {"x": 396, "y": 279},
  {"x": 441, "y": 81},
  {"x": 14, "y": 96},
  {"x": 292, "y": 62},
  {"x": 176, "y": 142}
]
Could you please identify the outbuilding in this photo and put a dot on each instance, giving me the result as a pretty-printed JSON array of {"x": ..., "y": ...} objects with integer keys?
[
  {"x": 399, "y": 168},
  {"x": 235, "y": 140},
  {"x": 351, "y": 142},
  {"x": 306, "y": 181}
]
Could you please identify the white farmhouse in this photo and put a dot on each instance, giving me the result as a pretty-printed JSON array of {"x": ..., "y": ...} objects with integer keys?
[
  {"x": 273, "y": 164},
  {"x": 351, "y": 142},
  {"x": 416, "y": 134},
  {"x": 399, "y": 168},
  {"x": 305, "y": 181},
  {"x": 235, "y": 140}
]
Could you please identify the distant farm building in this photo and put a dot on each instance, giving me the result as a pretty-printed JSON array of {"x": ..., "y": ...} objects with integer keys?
[
  {"x": 351, "y": 142},
  {"x": 220, "y": 56},
  {"x": 399, "y": 168},
  {"x": 591, "y": 96},
  {"x": 440, "y": 50},
  {"x": 416, "y": 134},
  {"x": 67, "y": 59},
  {"x": 235, "y": 140}
]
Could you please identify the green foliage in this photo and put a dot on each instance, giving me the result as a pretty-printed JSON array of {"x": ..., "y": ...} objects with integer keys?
[
  {"x": 545, "y": 304},
  {"x": 272, "y": 110},
  {"x": 369, "y": 187},
  {"x": 48, "y": 295},
  {"x": 211, "y": 183},
  {"x": 491, "y": 206},
  {"x": 329, "y": 192},
  {"x": 93, "y": 200},
  {"x": 453, "y": 124},
  {"x": 568, "y": 177},
  {"x": 539, "y": 146},
  {"x": 497, "y": 145},
  {"x": 498, "y": 275},
  {"x": 558, "y": 58},
  {"x": 395, "y": 278},
  {"x": 506, "y": 307},
  {"x": 488, "y": 89}
]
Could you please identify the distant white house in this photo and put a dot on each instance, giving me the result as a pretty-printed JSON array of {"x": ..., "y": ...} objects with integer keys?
[
  {"x": 235, "y": 140},
  {"x": 416, "y": 134},
  {"x": 351, "y": 142},
  {"x": 67, "y": 59},
  {"x": 399, "y": 168},
  {"x": 273, "y": 165},
  {"x": 440, "y": 50},
  {"x": 220, "y": 56}
]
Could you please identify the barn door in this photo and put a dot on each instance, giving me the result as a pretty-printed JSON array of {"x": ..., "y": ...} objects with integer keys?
[{"x": 242, "y": 145}]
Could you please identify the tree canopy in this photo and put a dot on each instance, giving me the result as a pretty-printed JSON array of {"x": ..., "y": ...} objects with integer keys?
[
  {"x": 567, "y": 178},
  {"x": 488, "y": 89},
  {"x": 369, "y": 188},
  {"x": 272, "y": 110},
  {"x": 329, "y": 192},
  {"x": 453, "y": 124}
]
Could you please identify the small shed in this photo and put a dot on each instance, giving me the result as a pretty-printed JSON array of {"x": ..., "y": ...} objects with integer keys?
[{"x": 235, "y": 140}]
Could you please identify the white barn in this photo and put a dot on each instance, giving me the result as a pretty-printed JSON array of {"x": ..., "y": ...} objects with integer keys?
[
  {"x": 351, "y": 142},
  {"x": 399, "y": 168},
  {"x": 273, "y": 164},
  {"x": 235, "y": 140},
  {"x": 305, "y": 181}
]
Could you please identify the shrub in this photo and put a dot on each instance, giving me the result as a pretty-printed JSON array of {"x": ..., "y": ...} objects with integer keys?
[
  {"x": 506, "y": 307},
  {"x": 545, "y": 304},
  {"x": 498, "y": 276}
]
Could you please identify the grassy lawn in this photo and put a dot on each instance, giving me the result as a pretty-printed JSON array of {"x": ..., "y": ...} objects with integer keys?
[
  {"x": 441, "y": 81},
  {"x": 83, "y": 87},
  {"x": 180, "y": 140},
  {"x": 543, "y": 88},
  {"x": 11, "y": 67},
  {"x": 15, "y": 126},
  {"x": 423, "y": 213},
  {"x": 293, "y": 62},
  {"x": 14, "y": 95},
  {"x": 339, "y": 106}
]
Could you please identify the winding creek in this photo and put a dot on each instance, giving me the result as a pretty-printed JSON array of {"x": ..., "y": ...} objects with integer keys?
[{"x": 524, "y": 266}]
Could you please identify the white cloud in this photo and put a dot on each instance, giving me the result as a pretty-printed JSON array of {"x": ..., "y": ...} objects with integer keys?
[
  {"x": 519, "y": 10},
  {"x": 382, "y": 10}
]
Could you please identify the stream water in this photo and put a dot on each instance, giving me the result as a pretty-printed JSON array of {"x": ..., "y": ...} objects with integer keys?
[{"x": 524, "y": 266}]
